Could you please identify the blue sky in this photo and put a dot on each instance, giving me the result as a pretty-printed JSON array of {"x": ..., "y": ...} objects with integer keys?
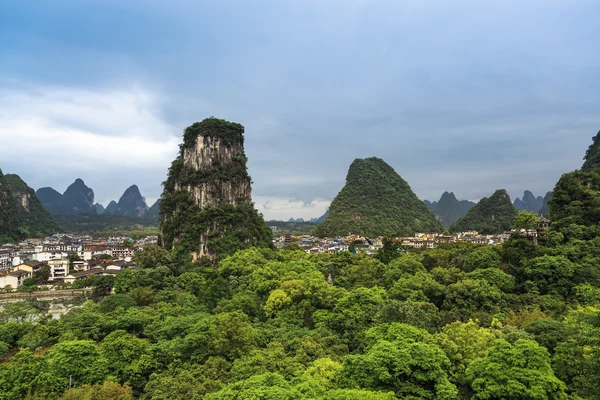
[{"x": 464, "y": 96}]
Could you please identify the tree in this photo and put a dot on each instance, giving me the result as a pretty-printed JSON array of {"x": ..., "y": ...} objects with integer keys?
[
  {"x": 519, "y": 371},
  {"x": 463, "y": 343},
  {"x": 103, "y": 285},
  {"x": 111, "y": 303},
  {"x": 550, "y": 275},
  {"x": 469, "y": 296},
  {"x": 408, "y": 368},
  {"x": 122, "y": 350},
  {"x": 78, "y": 360},
  {"x": 389, "y": 251},
  {"x": 109, "y": 390},
  {"x": 355, "y": 312},
  {"x": 42, "y": 275},
  {"x": 151, "y": 256},
  {"x": 525, "y": 220}
]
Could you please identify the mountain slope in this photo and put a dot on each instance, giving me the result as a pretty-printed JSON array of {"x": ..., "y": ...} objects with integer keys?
[
  {"x": 111, "y": 208},
  {"x": 592, "y": 155},
  {"x": 99, "y": 208},
  {"x": 430, "y": 205},
  {"x": 529, "y": 202},
  {"x": 449, "y": 209},
  {"x": 48, "y": 196},
  {"x": 494, "y": 214},
  {"x": 206, "y": 206},
  {"x": 132, "y": 204},
  {"x": 376, "y": 201},
  {"x": 545, "y": 210},
  {"x": 21, "y": 212},
  {"x": 154, "y": 211},
  {"x": 78, "y": 198}
]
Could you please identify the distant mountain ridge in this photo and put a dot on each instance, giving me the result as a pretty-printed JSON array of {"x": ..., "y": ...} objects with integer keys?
[
  {"x": 494, "y": 214},
  {"x": 529, "y": 203},
  {"x": 131, "y": 203},
  {"x": 376, "y": 201},
  {"x": 449, "y": 209},
  {"x": 154, "y": 211},
  {"x": 78, "y": 198},
  {"x": 111, "y": 208}
]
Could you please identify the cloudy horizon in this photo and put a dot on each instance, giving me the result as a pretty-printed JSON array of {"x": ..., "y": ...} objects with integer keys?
[{"x": 462, "y": 96}]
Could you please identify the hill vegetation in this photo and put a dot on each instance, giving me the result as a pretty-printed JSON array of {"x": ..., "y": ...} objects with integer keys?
[
  {"x": 206, "y": 206},
  {"x": 21, "y": 213},
  {"x": 376, "y": 201},
  {"x": 516, "y": 321},
  {"x": 592, "y": 155},
  {"x": 494, "y": 214},
  {"x": 90, "y": 223}
]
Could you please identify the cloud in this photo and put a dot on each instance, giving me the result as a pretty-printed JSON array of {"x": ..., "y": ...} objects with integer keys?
[
  {"x": 111, "y": 138},
  {"x": 281, "y": 208}
]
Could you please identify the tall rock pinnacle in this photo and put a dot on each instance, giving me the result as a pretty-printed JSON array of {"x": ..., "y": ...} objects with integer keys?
[{"x": 206, "y": 204}]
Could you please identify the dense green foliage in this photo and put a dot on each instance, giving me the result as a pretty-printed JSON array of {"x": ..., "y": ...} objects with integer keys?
[
  {"x": 90, "y": 223},
  {"x": 21, "y": 213},
  {"x": 292, "y": 227},
  {"x": 516, "y": 321},
  {"x": 376, "y": 201},
  {"x": 494, "y": 214},
  {"x": 230, "y": 133},
  {"x": 216, "y": 230},
  {"x": 78, "y": 198},
  {"x": 576, "y": 199},
  {"x": 592, "y": 155},
  {"x": 450, "y": 210}
]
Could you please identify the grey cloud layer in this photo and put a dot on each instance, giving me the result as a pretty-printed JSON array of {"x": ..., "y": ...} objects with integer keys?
[{"x": 466, "y": 96}]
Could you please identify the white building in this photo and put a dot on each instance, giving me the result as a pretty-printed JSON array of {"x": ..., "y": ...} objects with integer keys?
[
  {"x": 58, "y": 268},
  {"x": 47, "y": 256},
  {"x": 14, "y": 279}
]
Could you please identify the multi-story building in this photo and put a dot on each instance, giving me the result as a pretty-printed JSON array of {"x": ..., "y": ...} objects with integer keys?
[
  {"x": 5, "y": 259},
  {"x": 58, "y": 268}
]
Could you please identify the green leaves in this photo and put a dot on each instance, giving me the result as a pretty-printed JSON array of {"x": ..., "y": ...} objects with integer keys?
[
  {"x": 376, "y": 201},
  {"x": 515, "y": 371}
]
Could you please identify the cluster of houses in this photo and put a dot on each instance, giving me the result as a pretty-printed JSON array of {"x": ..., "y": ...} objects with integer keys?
[
  {"x": 67, "y": 258},
  {"x": 312, "y": 244}
]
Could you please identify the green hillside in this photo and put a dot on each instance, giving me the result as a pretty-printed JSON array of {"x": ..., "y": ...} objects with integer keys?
[
  {"x": 22, "y": 215},
  {"x": 376, "y": 201},
  {"x": 493, "y": 214}
]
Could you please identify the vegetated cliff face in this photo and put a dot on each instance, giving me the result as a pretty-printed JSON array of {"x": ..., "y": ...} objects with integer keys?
[
  {"x": 376, "y": 201},
  {"x": 21, "y": 212},
  {"x": 132, "y": 204},
  {"x": 206, "y": 206},
  {"x": 494, "y": 214}
]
